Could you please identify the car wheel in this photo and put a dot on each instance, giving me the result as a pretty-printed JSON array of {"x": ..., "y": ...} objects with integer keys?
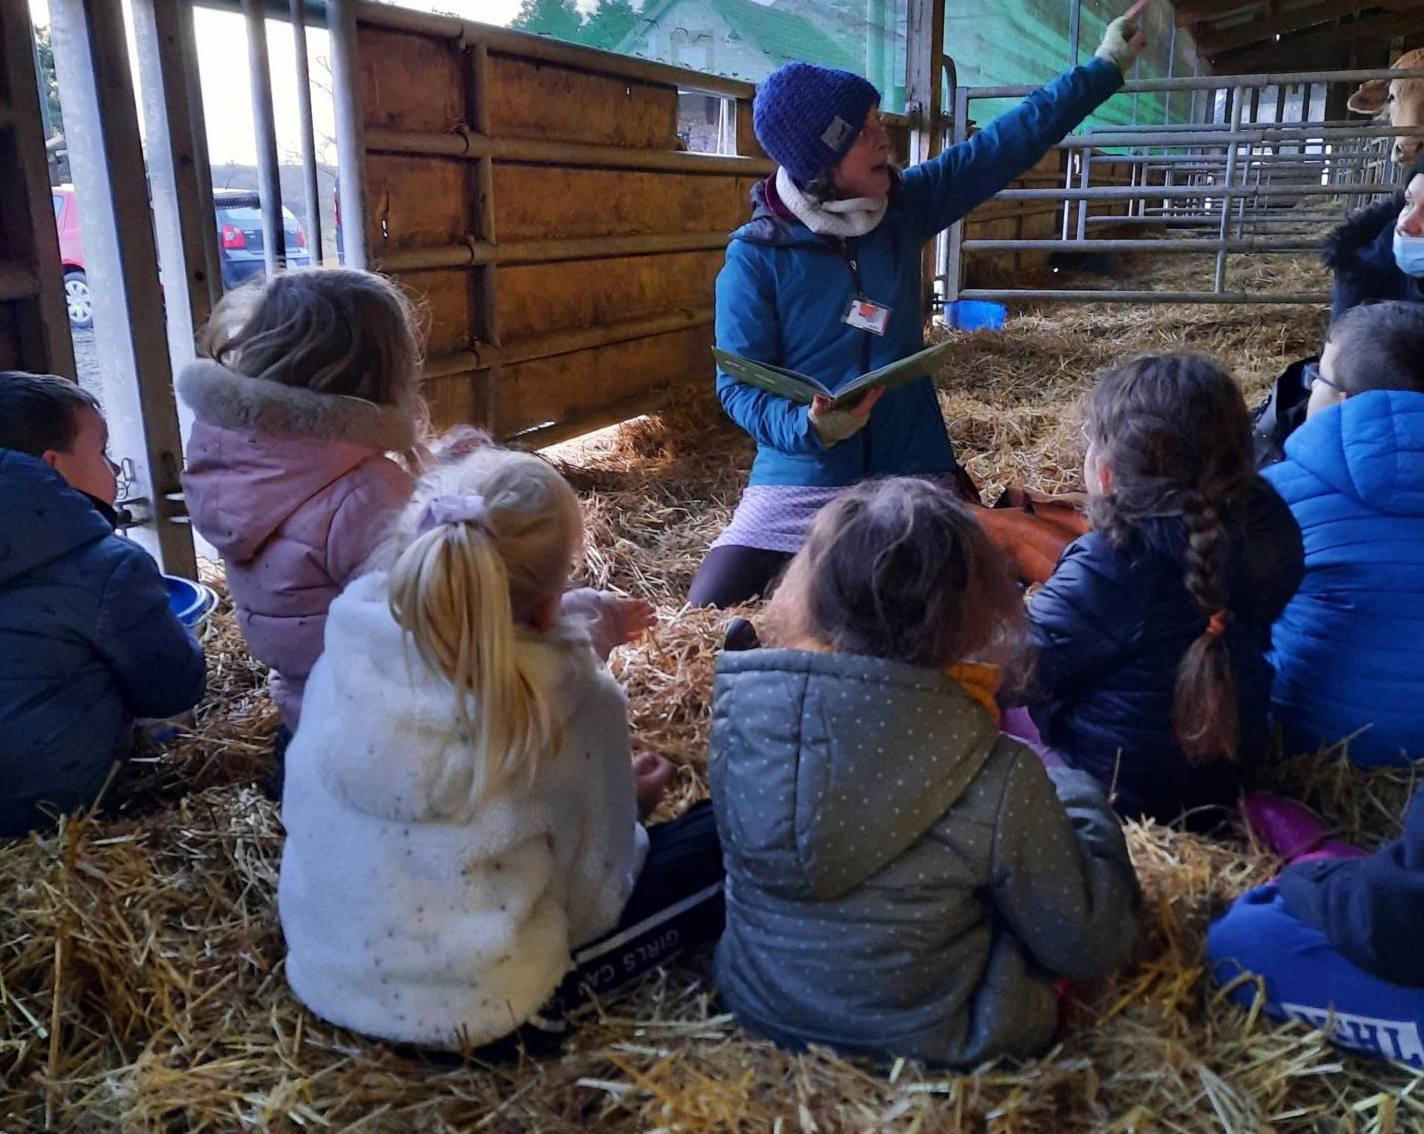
[{"x": 76, "y": 297}]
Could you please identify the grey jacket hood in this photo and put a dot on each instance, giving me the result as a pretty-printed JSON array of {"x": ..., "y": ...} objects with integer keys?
[
  {"x": 901, "y": 878},
  {"x": 833, "y": 739}
]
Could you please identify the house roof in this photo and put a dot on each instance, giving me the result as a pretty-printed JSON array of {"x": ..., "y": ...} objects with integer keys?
[{"x": 782, "y": 36}]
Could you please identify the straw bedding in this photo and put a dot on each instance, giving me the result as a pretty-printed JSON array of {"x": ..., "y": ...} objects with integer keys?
[{"x": 140, "y": 957}]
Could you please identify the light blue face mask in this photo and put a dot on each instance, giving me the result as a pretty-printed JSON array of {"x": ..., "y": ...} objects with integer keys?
[{"x": 1409, "y": 254}]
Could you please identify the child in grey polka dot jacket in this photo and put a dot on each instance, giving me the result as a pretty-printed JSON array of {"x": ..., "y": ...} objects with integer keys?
[{"x": 902, "y": 878}]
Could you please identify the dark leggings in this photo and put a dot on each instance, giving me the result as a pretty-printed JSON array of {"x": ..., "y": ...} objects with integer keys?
[
  {"x": 676, "y": 905},
  {"x": 731, "y": 574}
]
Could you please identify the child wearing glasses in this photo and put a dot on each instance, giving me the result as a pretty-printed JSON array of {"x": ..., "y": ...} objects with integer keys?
[
  {"x": 1349, "y": 649},
  {"x": 1334, "y": 939}
]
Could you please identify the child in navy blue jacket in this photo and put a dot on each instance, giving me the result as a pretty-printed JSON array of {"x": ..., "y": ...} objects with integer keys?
[
  {"x": 1154, "y": 629},
  {"x": 87, "y": 641}
]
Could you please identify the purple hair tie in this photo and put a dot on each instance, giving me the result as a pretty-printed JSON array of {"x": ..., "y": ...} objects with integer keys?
[{"x": 455, "y": 510}]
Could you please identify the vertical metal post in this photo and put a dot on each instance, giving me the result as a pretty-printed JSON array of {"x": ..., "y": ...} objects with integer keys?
[
  {"x": 954, "y": 266},
  {"x": 269, "y": 176},
  {"x": 27, "y": 213},
  {"x": 1238, "y": 101},
  {"x": 350, "y": 131},
  {"x": 308, "y": 131},
  {"x": 1075, "y": 32},
  {"x": 924, "y": 63},
  {"x": 1136, "y": 74},
  {"x": 1085, "y": 177},
  {"x": 484, "y": 323},
  {"x": 106, "y": 156},
  {"x": 180, "y": 179},
  {"x": 1171, "y": 73}
]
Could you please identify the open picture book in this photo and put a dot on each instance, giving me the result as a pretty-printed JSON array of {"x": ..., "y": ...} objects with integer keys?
[{"x": 803, "y": 388}]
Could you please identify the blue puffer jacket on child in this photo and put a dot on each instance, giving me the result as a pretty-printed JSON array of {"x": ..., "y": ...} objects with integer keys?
[
  {"x": 783, "y": 291},
  {"x": 1111, "y": 627},
  {"x": 87, "y": 643},
  {"x": 1349, "y": 649}
]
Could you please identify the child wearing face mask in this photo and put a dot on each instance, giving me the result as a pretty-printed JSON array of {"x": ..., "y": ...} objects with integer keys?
[{"x": 87, "y": 641}]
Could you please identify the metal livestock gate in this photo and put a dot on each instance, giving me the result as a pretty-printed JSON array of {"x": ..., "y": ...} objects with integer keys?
[{"x": 1235, "y": 186}]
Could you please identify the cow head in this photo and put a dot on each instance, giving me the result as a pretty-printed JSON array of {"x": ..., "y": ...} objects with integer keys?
[{"x": 1402, "y": 99}]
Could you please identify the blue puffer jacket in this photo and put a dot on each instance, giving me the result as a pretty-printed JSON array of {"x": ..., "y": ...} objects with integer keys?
[
  {"x": 783, "y": 291},
  {"x": 87, "y": 643},
  {"x": 1349, "y": 649},
  {"x": 1112, "y": 627},
  {"x": 1371, "y": 909}
]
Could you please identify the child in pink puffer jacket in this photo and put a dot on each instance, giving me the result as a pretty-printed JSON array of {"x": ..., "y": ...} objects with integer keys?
[{"x": 309, "y": 384}]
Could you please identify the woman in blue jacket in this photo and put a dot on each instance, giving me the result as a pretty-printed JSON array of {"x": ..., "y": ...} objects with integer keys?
[
  {"x": 1349, "y": 648},
  {"x": 838, "y": 223}
]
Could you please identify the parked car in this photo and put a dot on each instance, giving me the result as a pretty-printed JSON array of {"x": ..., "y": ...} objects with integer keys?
[
  {"x": 239, "y": 224},
  {"x": 239, "y": 214}
]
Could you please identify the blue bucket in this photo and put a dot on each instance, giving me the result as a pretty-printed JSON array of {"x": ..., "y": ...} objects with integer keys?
[
  {"x": 976, "y": 315},
  {"x": 190, "y": 602}
]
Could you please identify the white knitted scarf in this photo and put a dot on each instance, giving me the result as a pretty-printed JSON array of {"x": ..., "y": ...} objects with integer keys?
[{"x": 854, "y": 216}]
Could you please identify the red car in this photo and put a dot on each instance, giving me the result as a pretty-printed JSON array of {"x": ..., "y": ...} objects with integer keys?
[{"x": 239, "y": 224}]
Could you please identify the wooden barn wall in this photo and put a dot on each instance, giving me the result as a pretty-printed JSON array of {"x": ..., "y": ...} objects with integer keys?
[
  {"x": 626, "y": 327},
  {"x": 34, "y": 327}
]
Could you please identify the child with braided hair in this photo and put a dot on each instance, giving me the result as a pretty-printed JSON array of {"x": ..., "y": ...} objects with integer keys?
[{"x": 1154, "y": 629}]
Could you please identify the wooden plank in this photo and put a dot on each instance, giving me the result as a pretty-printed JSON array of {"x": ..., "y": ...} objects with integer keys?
[
  {"x": 747, "y": 144},
  {"x": 455, "y": 399},
  {"x": 446, "y": 298},
  {"x": 574, "y": 386},
  {"x": 1213, "y": 40},
  {"x": 1374, "y": 29},
  {"x": 538, "y": 298},
  {"x": 417, "y": 201},
  {"x": 548, "y": 202},
  {"x": 538, "y": 100},
  {"x": 409, "y": 82}
]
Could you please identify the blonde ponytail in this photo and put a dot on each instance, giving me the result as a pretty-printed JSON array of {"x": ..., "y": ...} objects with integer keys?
[{"x": 466, "y": 578}]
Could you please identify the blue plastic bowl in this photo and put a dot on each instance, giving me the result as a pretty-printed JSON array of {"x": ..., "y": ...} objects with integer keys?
[
  {"x": 190, "y": 602},
  {"x": 977, "y": 315}
]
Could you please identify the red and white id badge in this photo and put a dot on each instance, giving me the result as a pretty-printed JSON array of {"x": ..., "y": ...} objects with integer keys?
[{"x": 867, "y": 315}]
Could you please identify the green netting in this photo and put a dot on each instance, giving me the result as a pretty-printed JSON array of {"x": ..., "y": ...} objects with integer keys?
[{"x": 1000, "y": 42}]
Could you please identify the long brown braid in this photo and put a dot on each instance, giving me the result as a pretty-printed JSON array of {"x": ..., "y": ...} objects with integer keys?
[{"x": 1175, "y": 434}]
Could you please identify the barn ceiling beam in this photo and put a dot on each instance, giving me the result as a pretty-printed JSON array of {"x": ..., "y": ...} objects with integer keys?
[
  {"x": 1191, "y": 12},
  {"x": 1379, "y": 29},
  {"x": 1214, "y": 40}
]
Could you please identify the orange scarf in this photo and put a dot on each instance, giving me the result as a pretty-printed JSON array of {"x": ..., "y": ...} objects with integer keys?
[{"x": 981, "y": 681}]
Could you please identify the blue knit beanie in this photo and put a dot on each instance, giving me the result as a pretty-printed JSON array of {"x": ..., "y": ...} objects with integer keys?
[{"x": 807, "y": 117}]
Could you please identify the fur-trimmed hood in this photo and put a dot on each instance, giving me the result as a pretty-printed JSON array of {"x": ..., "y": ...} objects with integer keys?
[
  {"x": 1361, "y": 232},
  {"x": 260, "y": 451},
  {"x": 1360, "y": 253},
  {"x": 224, "y": 397}
]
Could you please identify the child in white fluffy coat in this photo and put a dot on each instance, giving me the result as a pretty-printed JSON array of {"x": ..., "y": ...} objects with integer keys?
[{"x": 460, "y": 799}]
